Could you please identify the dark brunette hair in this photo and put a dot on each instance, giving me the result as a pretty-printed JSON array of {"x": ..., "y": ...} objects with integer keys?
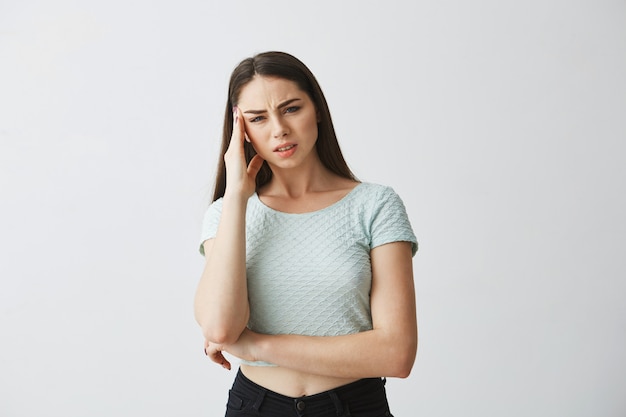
[{"x": 281, "y": 65}]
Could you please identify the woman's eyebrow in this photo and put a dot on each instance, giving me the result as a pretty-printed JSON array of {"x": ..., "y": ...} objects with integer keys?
[{"x": 280, "y": 106}]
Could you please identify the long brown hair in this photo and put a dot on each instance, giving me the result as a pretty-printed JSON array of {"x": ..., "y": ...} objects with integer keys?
[{"x": 281, "y": 65}]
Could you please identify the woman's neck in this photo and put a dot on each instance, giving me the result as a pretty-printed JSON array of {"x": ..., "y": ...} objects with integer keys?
[{"x": 297, "y": 182}]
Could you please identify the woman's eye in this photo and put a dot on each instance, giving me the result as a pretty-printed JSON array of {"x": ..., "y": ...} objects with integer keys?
[
  {"x": 292, "y": 109},
  {"x": 256, "y": 119}
]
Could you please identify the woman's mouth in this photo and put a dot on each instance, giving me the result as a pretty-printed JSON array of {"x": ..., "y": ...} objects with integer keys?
[{"x": 286, "y": 151}]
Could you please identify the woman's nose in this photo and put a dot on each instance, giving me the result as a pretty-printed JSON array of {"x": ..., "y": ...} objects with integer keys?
[{"x": 279, "y": 128}]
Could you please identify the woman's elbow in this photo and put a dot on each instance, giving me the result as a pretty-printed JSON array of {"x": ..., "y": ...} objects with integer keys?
[
  {"x": 403, "y": 360},
  {"x": 221, "y": 335},
  {"x": 223, "y": 332}
]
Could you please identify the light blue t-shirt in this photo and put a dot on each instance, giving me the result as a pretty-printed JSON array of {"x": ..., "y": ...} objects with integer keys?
[{"x": 310, "y": 273}]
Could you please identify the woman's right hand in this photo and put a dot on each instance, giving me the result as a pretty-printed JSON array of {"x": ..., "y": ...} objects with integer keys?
[{"x": 240, "y": 178}]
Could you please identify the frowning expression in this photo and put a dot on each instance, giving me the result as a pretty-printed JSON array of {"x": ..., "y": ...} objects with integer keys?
[{"x": 280, "y": 120}]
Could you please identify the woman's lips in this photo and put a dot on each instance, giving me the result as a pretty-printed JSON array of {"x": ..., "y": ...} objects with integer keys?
[{"x": 285, "y": 151}]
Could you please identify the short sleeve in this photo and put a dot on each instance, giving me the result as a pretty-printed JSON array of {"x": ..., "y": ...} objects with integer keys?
[
  {"x": 210, "y": 222},
  {"x": 390, "y": 222}
]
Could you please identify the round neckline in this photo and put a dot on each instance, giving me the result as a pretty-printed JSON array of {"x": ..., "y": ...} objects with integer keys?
[{"x": 328, "y": 207}]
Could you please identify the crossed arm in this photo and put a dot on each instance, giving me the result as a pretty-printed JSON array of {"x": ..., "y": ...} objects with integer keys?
[{"x": 388, "y": 349}]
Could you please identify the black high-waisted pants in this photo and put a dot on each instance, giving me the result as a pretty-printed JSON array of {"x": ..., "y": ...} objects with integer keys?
[{"x": 363, "y": 398}]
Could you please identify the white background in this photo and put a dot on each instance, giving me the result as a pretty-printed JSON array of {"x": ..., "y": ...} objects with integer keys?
[{"x": 501, "y": 124}]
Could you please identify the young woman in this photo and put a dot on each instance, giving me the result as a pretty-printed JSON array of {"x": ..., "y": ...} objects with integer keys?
[{"x": 308, "y": 276}]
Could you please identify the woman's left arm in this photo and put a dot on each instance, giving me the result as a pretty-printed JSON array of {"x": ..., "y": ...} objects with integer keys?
[{"x": 388, "y": 350}]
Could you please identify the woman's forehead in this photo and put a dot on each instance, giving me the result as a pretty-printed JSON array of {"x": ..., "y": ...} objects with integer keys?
[{"x": 264, "y": 90}]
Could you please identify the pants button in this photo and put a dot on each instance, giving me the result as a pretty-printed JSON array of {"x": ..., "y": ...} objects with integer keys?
[{"x": 300, "y": 405}]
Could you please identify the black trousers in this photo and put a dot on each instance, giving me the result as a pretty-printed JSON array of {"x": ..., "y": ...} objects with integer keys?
[{"x": 363, "y": 398}]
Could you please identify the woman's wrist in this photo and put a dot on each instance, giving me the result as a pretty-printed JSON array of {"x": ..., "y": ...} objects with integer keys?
[
  {"x": 261, "y": 345},
  {"x": 234, "y": 197}
]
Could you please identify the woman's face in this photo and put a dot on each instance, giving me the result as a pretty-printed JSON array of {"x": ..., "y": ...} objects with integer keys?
[{"x": 280, "y": 120}]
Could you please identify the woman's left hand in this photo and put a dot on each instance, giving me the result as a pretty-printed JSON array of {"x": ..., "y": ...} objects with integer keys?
[
  {"x": 243, "y": 348},
  {"x": 214, "y": 352}
]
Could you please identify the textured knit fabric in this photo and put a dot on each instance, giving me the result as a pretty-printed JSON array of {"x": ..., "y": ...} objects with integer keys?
[{"x": 310, "y": 273}]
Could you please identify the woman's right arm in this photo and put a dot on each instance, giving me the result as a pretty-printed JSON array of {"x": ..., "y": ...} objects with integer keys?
[{"x": 221, "y": 301}]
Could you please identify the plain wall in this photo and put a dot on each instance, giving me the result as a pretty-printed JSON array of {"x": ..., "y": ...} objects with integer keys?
[{"x": 501, "y": 124}]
